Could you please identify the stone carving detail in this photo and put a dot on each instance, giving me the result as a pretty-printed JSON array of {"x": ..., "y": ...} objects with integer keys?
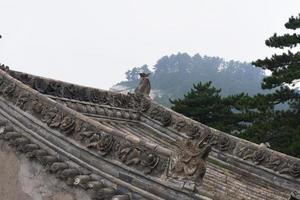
[
  {"x": 294, "y": 196},
  {"x": 22, "y": 100},
  {"x": 190, "y": 163},
  {"x": 69, "y": 91},
  {"x": 291, "y": 168},
  {"x": 275, "y": 163},
  {"x": 144, "y": 159},
  {"x": 56, "y": 121},
  {"x": 72, "y": 175},
  {"x": 9, "y": 89},
  {"x": 48, "y": 114},
  {"x": 294, "y": 169},
  {"x": 256, "y": 155},
  {"x": 65, "y": 123},
  {"x": 144, "y": 86},
  {"x": 179, "y": 125},
  {"x": 225, "y": 144},
  {"x": 95, "y": 96},
  {"x": 145, "y": 104},
  {"x": 40, "y": 85},
  {"x": 160, "y": 114},
  {"x": 37, "y": 106},
  {"x": 104, "y": 144}
]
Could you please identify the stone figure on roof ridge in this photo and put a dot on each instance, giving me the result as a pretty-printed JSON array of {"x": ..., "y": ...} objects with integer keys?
[{"x": 144, "y": 86}]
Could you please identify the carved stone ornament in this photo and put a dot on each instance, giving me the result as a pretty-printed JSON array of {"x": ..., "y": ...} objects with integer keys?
[
  {"x": 225, "y": 143},
  {"x": 67, "y": 125},
  {"x": 9, "y": 89},
  {"x": 48, "y": 113},
  {"x": 22, "y": 100},
  {"x": 294, "y": 196},
  {"x": 160, "y": 114},
  {"x": 104, "y": 144},
  {"x": 69, "y": 91},
  {"x": 187, "y": 164},
  {"x": 40, "y": 85},
  {"x": 37, "y": 106},
  {"x": 190, "y": 163},
  {"x": 256, "y": 155},
  {"x": 144, "y": 159},
  {"x": 294, "y": 170}
]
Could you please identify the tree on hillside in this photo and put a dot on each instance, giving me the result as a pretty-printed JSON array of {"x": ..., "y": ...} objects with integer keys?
[
  {"x": 285, "y": 67},
  {"x": 134, "y": 74},
  {"x": 281, "y": 128},
  {"x": 204, "y": 103},
  {"x": 257, "y": 118},
  {"x": 174, "y": 75}
]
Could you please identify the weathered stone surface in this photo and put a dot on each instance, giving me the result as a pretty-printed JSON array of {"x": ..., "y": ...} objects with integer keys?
[
  {"x": 10, "y": 186},
  {"x": 112, "y": 127},
  {"x": 226, "y": 184},
  {"x": 21, "y": 179}
]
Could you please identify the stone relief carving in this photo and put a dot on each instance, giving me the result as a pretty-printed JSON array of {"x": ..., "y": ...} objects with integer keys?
[
  {"x": 294, "y": 196},
  {"x": 67, "y": 125},
  {"x": 256, "y": 155},
  {"x": 225, "y": 144},
  {"x": 243, "y": 150},
  {"x": 160, "y": 114},
  {"x": 69, "y": 91},
  {"x": 22, "y": 100},
  {"x": 37, "y": 106},
  {"x": 294, "y": 169},
  {"x": 40, "y": 85},
  {"x": 291, "y": 168},
  {"x": 104, "y": 144},
  {"x": 9, "y": 89},
  {"x": 190, "y": 163},
  {"x": 131, "y": 155},
  {"x": 72, "y": 175},
  {"x": 144, "y": 159}
]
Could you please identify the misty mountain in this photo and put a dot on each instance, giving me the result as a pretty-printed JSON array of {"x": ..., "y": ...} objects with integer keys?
[{"x": 172, "y": 76}]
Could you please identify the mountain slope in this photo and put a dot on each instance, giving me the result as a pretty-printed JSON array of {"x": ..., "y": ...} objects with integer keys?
[{"x": 172, "y": 76}]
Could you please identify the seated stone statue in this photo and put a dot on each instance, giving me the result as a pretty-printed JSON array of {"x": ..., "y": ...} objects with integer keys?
[{"x": 144, "y": 85}]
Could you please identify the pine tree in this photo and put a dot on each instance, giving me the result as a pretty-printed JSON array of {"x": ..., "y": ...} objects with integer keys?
[
  {"x": 281, "y": 127},
  {"x": 204, "y": 103},
  {"x": 285, "y": 67}
]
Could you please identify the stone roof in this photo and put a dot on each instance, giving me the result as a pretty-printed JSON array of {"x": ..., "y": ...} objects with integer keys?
[{"x": 124, "y": 146}]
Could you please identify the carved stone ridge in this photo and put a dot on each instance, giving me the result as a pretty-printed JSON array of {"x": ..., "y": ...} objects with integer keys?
[
  {"x": 189, "y": 165},
  {"x": 147, "y": 158},
  {"x": 73, "y": 175},
  {"x": 219, "y": 141}
]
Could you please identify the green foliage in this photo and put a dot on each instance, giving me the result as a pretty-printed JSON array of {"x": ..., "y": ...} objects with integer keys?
[
  {"x": 241, "y": 108},
  {"x": 281, "y": 127},
  {"x": 205, "y": 104},
  {"x": 286, "y": 40},
  {"x": 133, "y": 75},
  {"x": 174, "y": 75},
  {"x": 256, "y": 118},
  {"x": 285, "y": 68},
  {"x": 293, "y": 23}
]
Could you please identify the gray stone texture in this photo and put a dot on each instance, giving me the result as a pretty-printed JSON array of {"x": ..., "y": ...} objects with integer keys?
[{"x": 22, "y": 179}]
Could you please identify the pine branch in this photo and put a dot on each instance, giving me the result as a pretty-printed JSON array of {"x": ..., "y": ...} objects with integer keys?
[
  {"x": 286, "y": 40},
  {"x": 293, "y": 23},
  {"x": 277, "y": 61}
]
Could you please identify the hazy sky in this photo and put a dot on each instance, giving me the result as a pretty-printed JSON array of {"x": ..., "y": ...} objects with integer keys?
[{"x": 94, "y": 42}]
